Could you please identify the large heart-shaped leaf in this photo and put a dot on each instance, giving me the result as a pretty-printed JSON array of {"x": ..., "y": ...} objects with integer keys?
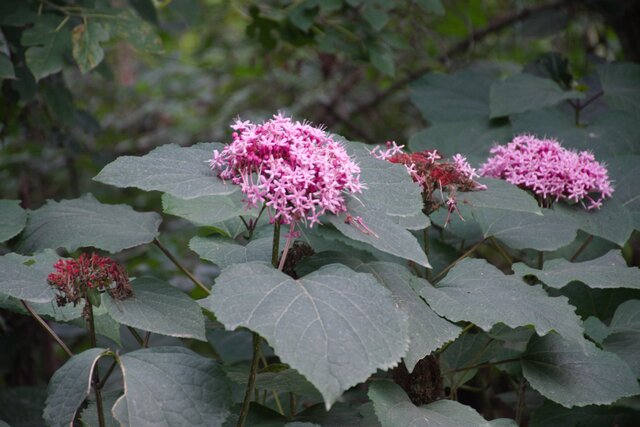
[
  {"x": 621, "y": 86},
  {"x": 334, "y": 326},
  {"x": 26, "y": 277},
  {"x": 389, "y": 188},
  {"x": 611, "y": 222},
  {"x": 207, "y": 210},
  {"x": 427, "y": 330},
  {"x": 576, "y": 376},
  {"x": 225, "y": 252},
  {"x": 524, "y": 92},
  {"x": 69, "y": 387},
  {"x": 158, "y": 307},
  {"x": 179, "y": 171},
  {"x": 455, "y": 97},
  {"x": 12, "y": 219},
  {"x": 83, "y": 222},
  {"x": 394, "y": 409},
  {"x": 547, "y": 232},
  {"x": 608, "y": 271},
  {"x": 172, "y": 386},
  {"x": 477, "y": 292},
  {"x": 383, "y": 233},
  {"x": 623, "y": 336}
]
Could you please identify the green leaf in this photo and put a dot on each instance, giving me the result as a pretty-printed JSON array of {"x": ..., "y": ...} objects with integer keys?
[
  {"x": 462, "y": 96},
  {"x": 553, "y": 415},
  {"x": 141, "y": 34},
  {"x": 547, "y": 232},
  {"x": 207, "y": 210},
  {"x": 69, "y": 387},
  {"x": 171, "y": 386},
  {"x": 473, "y": 137},
  {"x": 48, "y": 46},
  {"x": 621, "y": 86},
  {"x": 574, "y": 376},
  {"x": 611, "y": 222},
  {"x": 390, "y": 189},
  {"x": 384, "y": 235},
  {"x": 524, "y": 92},
  {"x": 499, "y": 196},
  {"x": 12, "y": 219},
  {"x": 26, "y": 277},
  {"x": 608, "y": 271},
  {"x": 375, "y": 16},
  {"x": 6, "y": 68},
  {"x": 427, "y": 330},
  {"x": 394, "y": 409},
  {"x": 279, "y": 378},
  {"x": 303, "y": 14},
  {"x": 334, "y": 326},
  {"x": 477, "y": 292},
  {"x": 608, "y": 134},
  {"x": 86, "y": 40},
  {"x": 158, "y": 307},
  {"x": 226, "y": 252},
  {"x": 179, "y": 171},
  {"x": 624, "y": 334},
  {"x": 85, "y": 222}
]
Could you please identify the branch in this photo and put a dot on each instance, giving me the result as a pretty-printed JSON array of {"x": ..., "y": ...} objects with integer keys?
[
  {"x": 180, "y": 266},
  {"x": 496, "y": 26},
  {"x": 47, "y": 328}
]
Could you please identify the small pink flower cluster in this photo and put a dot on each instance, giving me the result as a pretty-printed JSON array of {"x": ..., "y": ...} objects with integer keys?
[
  {"x": 297, "y": 170},
  {"x": 427, "y": 169},
  {"x": 550, "y": 171}
]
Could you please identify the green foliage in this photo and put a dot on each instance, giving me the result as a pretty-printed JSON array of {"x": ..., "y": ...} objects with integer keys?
[
  {"x": 85, "y": 222},
  {"x": 353, "y": 330},
  {"x": 12, "y": 219}
]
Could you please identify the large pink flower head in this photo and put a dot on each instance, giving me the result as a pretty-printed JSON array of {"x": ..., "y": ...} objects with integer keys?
[
  {"x": 299, "y": 171},
  {"x": 550, "y": 171}
]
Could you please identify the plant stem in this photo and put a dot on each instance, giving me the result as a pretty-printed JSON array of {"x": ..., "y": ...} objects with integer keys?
[
  {"x": 251, "y": 382},
  {"x": 136, "y": 335},
  {"x": 520, "y": 405},
  {"x": 501, "y": 250},
  {"x": 292, "y": 403},
  {"x": 425, "y": 237},
  {"x": 103, "y": 381},
  {"x": 96, "y": 372},
  {"x": 147, "y": 337},
  {"x": 180, "y": 266},
  {"x": 540, "y": 260},
  {"x": 47, "y": 328},
  {"x": 581, "y": 248},
  {"x": 482, "y": 365},
  {"x": 454, "y": 263}
]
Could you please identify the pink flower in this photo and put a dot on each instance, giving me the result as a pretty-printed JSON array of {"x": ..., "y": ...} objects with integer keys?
[
  {"x": 552, "y": 172},
  {"x": 298, "y": 171}
]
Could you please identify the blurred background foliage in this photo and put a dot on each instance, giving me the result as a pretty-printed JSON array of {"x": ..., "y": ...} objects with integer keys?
[{"x": 86, "y": 81}]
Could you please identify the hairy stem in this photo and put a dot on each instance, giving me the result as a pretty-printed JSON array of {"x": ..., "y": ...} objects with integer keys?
[
  {"x": 582, "y": 247},
  {"x": 454, "y": 263},
  {"x": 180, "y": 266},
  {"x": 96, "y": 372},
  {"x": 46, "y": 327},
  {"x": 251, "y": 382}
]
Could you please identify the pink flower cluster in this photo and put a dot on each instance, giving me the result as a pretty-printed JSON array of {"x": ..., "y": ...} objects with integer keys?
[
  {"x": 432, "y": 173},
  {"x": 299, "y": 171},
  {"x": 550, "y": 171}
]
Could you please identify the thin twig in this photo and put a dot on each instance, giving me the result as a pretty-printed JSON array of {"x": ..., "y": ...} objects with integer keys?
[
  {"x": 482, "y": 365},
  {"x": 96, "y": 372},
  {"x": 180, "y": 266},
  {"x": 454, "y": 263},
  {"x": 136, "y": 335},
  {"x": 581, "y": 248},
  {"x": 475, "y": 36},
  {"x": 521, "y": 395},
  {"x": 103, "y": 381},
  {"x": 47, "y": 328},
  {"x": 147, "y": 337}
]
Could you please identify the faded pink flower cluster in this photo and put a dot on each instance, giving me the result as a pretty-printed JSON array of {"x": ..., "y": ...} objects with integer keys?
[
  {"x": 550, "y": 171},
  {"x": 299, "y": 171}
]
